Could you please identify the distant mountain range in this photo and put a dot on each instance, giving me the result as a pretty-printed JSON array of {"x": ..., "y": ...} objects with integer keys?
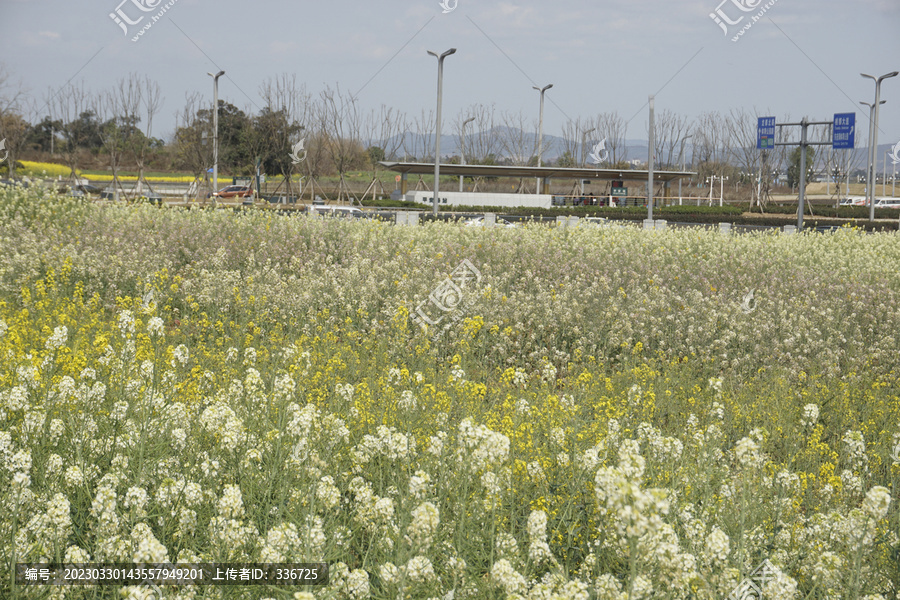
[{"x": 635, "y": 149}]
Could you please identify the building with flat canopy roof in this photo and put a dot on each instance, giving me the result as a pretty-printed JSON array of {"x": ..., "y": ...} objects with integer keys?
[{"x": 544, "y": 174}]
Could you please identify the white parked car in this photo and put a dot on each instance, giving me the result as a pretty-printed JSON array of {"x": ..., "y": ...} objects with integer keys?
[
  {"x": 479, "y": 222},
  {"x": 887, "y": 203},
  {"x": 348, "y": 212}
]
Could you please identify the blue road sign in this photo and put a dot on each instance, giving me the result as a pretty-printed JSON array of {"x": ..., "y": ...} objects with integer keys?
[
  {"x": 765, "y": 133},
  {"x": 844, "y": 131}
]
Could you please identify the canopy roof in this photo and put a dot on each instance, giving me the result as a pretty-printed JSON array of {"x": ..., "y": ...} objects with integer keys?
[{"x": 542, "y": 172}]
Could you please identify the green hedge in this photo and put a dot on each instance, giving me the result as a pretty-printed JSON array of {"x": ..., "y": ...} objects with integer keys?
[
  {"x": 629, "y": 212},
  {"x": 821, "y": 210}
]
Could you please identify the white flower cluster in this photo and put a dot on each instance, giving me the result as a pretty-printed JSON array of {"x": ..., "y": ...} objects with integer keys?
[
  {"x": 180, "y": 355},
  {"x": 220, "y": 421},
  {"x": 877, "y": 502},
  {"x": 480, "y": 447},
  {"x": 58, "y": 339},
  {"x": 344, "y": 583},
  {"x": 419, "y": 485},
  {"x": 747, "y": 453},
  {"x": 810, "y": 415},
  {"x": 634, "y": 511},
  {"x": 387, "y": 442},
  {"x": 424, "y": 524},
  {"x": 328, "y": 493},
  {"x": 508, "y": 578},
  {"x": 156, "y": 327},
  {"x": 345, "y": 391},
  {"x": 407, "y": 401},
  {"x": 717, "y": 546},
  {"x": 856, "y": 449},
  {"x": 538, "y": 549},
  {"x": 146, "y": 548}
]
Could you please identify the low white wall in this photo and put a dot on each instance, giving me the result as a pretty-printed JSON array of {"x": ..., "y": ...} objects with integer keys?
[{"x": 479, "y": 199}]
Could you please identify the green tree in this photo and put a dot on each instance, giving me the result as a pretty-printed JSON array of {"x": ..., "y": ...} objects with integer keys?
[
  {"x": 793, "y": 173},
  {"x": 85, "y": 131},
  {"x": 376, "y": 154},
  {"x": 39, "y": 135},
  {"x": 566, "y": 160}
]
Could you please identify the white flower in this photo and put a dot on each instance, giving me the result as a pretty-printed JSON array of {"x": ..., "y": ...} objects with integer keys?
[
  {"x": 126, "y": 323},
  {"x": 389, "y": 573},
  {"x": 780, "y": 586},
  {"x": 536, "y": 471},
  {"x": 419, "y": 569},
  {"x": 384, "y": 509},
  {"x": 747, "y": 453},
  {"x": 810, "y": 415},
  {"x": 424, "y": 524},
  {"x": 877, "y": 502},
  {"x": 231, "y": 504},
  {"x": 608, "y": 587},
  {"x": 419, "y": 484},
  {"x": 327, "y": 492},
  {"x": 180, "y": 355},
  {"x": 155, "y": 326},
  {"x": 537, "y": 525},
  {"x": 717, "y": 545},
  {"x": 58, "y": 339},
  {"x": 146, "y": 547},
  {"x": 358, "y": 584},
  {"x": 407, "y": 401},
  {"x": 508, "y": 578},
  {"x": 506, "y": 545},
  {"x": 136, "y": 498},
  {"x": 520, "y": 377},
  {"x": 345, "y": 391}
]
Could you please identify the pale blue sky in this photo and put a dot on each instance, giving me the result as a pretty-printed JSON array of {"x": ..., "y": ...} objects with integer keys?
[{"x": 600, "y": 56}]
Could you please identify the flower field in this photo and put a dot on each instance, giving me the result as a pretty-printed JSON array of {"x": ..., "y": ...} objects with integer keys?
[{"x": 611, "y": 413}]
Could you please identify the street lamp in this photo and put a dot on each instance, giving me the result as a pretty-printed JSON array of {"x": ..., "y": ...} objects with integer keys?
[
  {"x": 869, "y": 180},
  {"x": 541, "y": 129},
  {"x": 216, "y": 131},
  {"x": 681, "y": 160},
  {"x": 873, "y": 148},
  {"x": 437, "y": 137},
  {"x": 462, "y": 148}
]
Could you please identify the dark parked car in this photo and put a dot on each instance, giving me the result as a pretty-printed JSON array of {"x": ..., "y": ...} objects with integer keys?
[
  {"x": 234, "y": 191},
  {"x": 89, "y": 189}
]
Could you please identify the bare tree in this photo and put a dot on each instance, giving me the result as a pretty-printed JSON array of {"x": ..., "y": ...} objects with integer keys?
[
  {"x": 571, "y": 142},
  {"x": 341, "y": 119},
  {"x": 612, "y": 128},
  {"x": 67, "y": 106},
  {"x": 481, "y": 139},
  {"x": 424, "y": 125},
  {"x": 387, "y": 126},
  {"x": 671, "y": 128},
  {"x": 193, "y": 139},
  {"x": 13, "y": 126},
  {"x": 709, "y": 138},
  {"x": 383, "y": 135},
  {"x": 281, "y": 125},
  {"x": 114, "y": 130},
  {"x": 514, "y": 138}
]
